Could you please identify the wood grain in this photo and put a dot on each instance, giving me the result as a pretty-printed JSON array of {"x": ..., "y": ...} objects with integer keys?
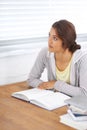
[{"x": 20, "y": 115}]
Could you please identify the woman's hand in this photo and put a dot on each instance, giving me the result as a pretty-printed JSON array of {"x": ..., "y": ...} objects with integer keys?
[{"x": 47, "y": 85}]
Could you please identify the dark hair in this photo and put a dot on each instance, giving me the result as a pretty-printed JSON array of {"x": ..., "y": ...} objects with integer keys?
[{"x": 66, "y": 32}]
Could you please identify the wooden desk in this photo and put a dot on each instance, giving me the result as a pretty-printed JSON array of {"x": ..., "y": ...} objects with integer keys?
[{"x": 19, "y": 115}]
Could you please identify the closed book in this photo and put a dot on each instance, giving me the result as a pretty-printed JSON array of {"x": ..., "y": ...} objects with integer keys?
[
  {"x": 77, "y": 110},
  {"x": 78, "y": 103},
  {"x": 76, "y": 116}
]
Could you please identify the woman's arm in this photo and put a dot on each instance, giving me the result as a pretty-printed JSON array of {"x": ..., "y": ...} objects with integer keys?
[
  {"x": 47, "y": 85},
  {"x": 81, "y": 89},
  {"x": 37, "y": 69}
]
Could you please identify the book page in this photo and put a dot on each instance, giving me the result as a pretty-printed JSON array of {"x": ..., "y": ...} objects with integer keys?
[
  {"x": 29, "y": 94},
  {"x": 79, "y": 125},
  {"x": 51, "y": 100}
]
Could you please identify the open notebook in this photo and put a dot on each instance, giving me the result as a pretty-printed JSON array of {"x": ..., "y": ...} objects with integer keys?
[
  {"x": 78, "y": 125},
  {"x": 47, "y": 99}
]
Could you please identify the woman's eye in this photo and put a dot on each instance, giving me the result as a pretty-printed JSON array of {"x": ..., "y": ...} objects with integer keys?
[
  {"x": 55, "y": 38},
  {"x": 49, "y": 35}
]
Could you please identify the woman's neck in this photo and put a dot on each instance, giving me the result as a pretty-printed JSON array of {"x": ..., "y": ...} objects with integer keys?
[
  {"x": 64, "y": 56},
  {"x": 62, "y": 59}
]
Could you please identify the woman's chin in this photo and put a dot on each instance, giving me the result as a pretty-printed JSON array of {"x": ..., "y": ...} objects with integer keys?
[{"x": 50, "y": 49}]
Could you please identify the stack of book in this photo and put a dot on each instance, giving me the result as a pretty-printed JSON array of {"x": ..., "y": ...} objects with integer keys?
[{"x": 76, "y": 116}]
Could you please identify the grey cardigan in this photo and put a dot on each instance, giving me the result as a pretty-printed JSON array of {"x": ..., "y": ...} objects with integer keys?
[{"x": 78, "y": 74}]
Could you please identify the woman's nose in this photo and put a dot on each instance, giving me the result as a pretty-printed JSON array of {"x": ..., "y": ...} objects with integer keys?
[{"x": 49, "y": 39}]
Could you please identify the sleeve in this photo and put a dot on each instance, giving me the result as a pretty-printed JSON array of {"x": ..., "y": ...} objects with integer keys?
[
  {"x": 37, "y": 69},
  {"x": 81, "y": 89}
]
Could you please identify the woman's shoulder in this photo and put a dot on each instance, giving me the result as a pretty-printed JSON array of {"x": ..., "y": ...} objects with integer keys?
[
  {"x": 79, "y": 55},
  {"x": 44, "y": 51}
]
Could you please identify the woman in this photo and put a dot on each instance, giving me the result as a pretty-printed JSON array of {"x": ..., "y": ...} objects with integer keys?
[{"x": 65, "y": 62}]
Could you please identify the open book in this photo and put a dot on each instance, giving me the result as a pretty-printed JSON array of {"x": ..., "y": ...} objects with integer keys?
[
  {"x": 78, "y": 125},
  {"x": 47, "y": 99}
]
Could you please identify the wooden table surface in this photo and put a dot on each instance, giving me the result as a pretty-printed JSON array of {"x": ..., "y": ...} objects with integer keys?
[{"x": 20, "y": 115}]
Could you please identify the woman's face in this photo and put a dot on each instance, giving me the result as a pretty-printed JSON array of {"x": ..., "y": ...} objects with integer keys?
[{"x": 54, "y": 42}]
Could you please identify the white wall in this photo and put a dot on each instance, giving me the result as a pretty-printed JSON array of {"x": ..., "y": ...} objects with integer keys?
[
  {"x": 16, "y": 61},
  {"x": 16, "y": 68}
]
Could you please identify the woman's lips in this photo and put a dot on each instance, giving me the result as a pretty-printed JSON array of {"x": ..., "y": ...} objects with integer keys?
[{"x": 50, "y": 46}]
